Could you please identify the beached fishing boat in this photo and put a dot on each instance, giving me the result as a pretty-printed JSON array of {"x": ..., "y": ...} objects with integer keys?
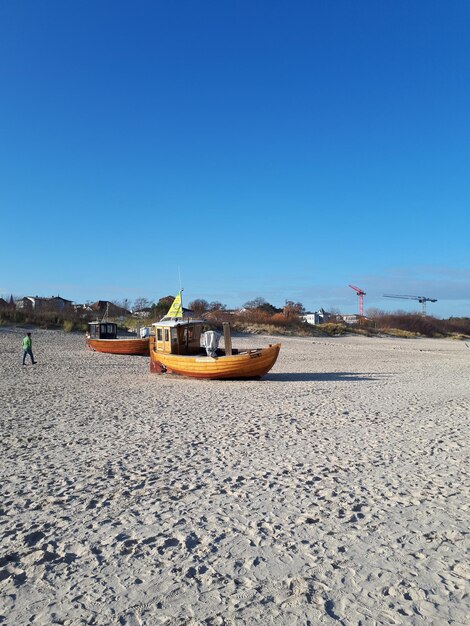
[
  {"x": 180, "y": 346},
  {"x": 102, "y": 337}
]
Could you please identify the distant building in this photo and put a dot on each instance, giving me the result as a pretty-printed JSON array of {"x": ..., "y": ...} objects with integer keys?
[
  {"x": 350, "y": 319},
  {"x": 142, "y": 310},
  {"x": 82, "y": 309},
  {"x": 37, "y": 303},
  {"x": 30, "y": 302},
  {"x": 105, "y": 308},
  {"x": 59, "y": 304},
  {"x": 319, "y": 317},
  {"x": 142, "y": 313},
  {"x": 7, "y": 305}
]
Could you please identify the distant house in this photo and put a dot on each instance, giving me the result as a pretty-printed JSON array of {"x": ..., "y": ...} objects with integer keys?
[
  {"x": 350, "y": 319},
  {"x": 83, "y": 310},
  {"x": 7, "y": 305},
  {"x": 30, "y": 302},
  {"x": 81, "y": 307},
  {"x": 59, "y": 304},
  {"x": 319, "y": 317},
  {"x": 105, "y": 308},
  {"x": 142, "y": 313},
  {"x": 37, "y": 303}
]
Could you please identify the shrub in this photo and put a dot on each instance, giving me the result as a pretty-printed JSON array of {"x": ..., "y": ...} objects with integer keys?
[
  {"x": 280, "y": 319},
  {"x": 398, "y": 332},
  {"x": 257, "y": 316},
  {"x": 73, "y": 325},
  {"x": 333, "y": 329},
  {"x": 425, "y": 325}
]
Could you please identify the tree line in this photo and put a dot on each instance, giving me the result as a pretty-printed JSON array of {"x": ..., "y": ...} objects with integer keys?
[{"x": 255, "y": 315}]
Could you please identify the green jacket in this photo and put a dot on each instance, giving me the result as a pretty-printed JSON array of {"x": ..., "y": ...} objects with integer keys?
[{"x": 26, "y": 342}]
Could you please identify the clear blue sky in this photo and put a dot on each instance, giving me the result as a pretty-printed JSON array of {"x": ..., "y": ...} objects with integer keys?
[{"x": 274, "y": 149}]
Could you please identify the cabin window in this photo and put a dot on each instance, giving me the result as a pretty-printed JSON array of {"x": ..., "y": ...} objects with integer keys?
[
  {"x": 103, "y": 329},
  {"x": 159, "y": 334},
  {"x": 167, "y": 334},
  {"x": 110, "y": 329}
]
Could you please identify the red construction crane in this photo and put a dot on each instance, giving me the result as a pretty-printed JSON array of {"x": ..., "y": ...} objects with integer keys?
[
  {"x": 421, "y": 299},
  {"x": 360, "y": 295}
]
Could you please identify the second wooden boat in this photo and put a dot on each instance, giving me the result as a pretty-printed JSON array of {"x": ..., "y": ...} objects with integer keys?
[{"x": 102, "y": 337}]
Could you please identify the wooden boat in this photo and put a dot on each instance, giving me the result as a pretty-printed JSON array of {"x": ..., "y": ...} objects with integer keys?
[
  {"x": 175, "y": 347},
  {"x": 102, "y": 337}
]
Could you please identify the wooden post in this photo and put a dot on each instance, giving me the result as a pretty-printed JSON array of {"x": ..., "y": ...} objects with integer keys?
[{"x": 227, "y": 338}]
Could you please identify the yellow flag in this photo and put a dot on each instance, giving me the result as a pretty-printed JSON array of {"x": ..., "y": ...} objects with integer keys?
[{"x": 176, "y": 309}]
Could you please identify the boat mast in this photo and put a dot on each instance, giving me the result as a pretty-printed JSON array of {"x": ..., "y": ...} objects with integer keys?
[
  {"x": 182, "y": 315},
  {"x": 105, "y": 316}
]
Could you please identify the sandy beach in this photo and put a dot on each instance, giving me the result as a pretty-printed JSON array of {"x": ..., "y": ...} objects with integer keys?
[{"x": 333, "y": 491}]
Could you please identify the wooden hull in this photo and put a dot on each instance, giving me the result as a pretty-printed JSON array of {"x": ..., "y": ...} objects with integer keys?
[
  {"x": 120, "y": 346},
  {"x": 249, "y": 364}
]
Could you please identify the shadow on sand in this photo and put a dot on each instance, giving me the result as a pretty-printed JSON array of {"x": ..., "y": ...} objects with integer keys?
[{"x": 321, "y": 377}]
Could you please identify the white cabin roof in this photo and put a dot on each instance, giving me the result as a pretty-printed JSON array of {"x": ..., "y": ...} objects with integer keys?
[{"x": 178, "y": 322}]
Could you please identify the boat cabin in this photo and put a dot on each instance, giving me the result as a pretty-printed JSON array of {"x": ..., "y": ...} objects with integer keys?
[
  {"x": 102, "y": 330},
  {"x": 177, "y": 336}
]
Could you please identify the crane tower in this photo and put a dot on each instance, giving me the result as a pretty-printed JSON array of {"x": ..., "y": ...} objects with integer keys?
[
  {"x": 360, "y": 295},
  {"x": 421, "y": 299}
]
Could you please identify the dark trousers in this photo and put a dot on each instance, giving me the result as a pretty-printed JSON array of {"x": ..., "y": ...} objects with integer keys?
[{"x": 30, "y": 352}]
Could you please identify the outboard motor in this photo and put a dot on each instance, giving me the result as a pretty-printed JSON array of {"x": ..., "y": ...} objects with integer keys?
[{"x": 210, "y": 341}]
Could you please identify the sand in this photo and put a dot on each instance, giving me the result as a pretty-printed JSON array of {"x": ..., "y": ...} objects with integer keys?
[{"x": 333, "y": 491}]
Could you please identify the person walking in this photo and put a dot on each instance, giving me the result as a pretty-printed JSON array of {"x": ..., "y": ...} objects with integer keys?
[{"x": 28, "y": 349}]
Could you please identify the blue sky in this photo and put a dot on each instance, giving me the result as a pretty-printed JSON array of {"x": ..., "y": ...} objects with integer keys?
[{"x": 267, "y": 149}]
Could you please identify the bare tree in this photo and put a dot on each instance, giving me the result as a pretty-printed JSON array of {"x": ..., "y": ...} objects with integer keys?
[
  {"x": 374, "y": 313},
  {"x": 217, "y": 306},
  {"x": 257, "y": 303},
  {"x": 199, "y": 306},
  {"x": 123, "y": 304},
  {"x": 142, "y": 303},
  {"x": 262, "y": 305},
  {"x": 293, "y": 308},
  {"x": 160, "y": 308}
]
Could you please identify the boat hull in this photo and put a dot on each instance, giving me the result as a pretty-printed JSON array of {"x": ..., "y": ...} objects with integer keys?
[
  {"x": 249, "y": 364},
  {"x": 120, "y": 346}
]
